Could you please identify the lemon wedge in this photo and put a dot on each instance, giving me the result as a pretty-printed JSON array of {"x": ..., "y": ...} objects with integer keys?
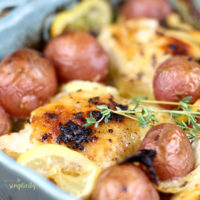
[
  {"x": 89, "y": 15},
  {"x": 68, "y": 169}
]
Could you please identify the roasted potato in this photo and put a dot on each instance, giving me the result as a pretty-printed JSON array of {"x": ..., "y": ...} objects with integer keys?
[
  {"x": 176, "y": 78},
  {"x": 188, "y": 184},
  {"x": 158, "y": 9},
  {"x": 27, "y": 80},
  {"x": 126, "y": 182},
  {"x": 174, "y": 155},
  {"x": 78, "y": 56}
]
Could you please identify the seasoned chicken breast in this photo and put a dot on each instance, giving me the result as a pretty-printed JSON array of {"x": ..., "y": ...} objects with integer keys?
[
  {"x": 61, "y": 122},
  {"x": 137, "y": 47}
]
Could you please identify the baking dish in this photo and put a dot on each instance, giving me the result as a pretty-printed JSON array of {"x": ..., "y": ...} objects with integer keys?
[{"x": 20, "y": 183}]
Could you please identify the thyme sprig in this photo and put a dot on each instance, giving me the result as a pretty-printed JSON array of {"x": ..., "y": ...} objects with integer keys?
[{"x": 146, "y": 115}]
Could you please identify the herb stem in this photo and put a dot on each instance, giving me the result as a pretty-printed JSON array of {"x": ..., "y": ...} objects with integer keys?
[
  {"x": 101, "y": 119},
  {"x": 155, "y": 111},
  {"x": 166, "y": 103},
  {"x": 160, "y": 102},
  {"x": 177, "y": 112},
  {"x": 123, "y": 113}
]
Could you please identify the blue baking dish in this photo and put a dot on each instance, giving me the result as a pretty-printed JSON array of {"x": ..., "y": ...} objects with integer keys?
[{"x": 20, "y": 183}]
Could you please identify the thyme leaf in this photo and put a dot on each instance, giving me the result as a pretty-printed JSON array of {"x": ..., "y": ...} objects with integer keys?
[{"x": 146, "y": 116}]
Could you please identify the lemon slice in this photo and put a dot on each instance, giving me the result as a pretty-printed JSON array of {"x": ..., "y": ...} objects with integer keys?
[
  {"x": 68, "y": 169},
  {"x": 89, "y": 15}
]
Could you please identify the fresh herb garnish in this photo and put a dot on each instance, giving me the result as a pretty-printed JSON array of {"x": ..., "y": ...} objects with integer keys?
[
  {"x": 105, "y": 111},
  {"x": 146, "y": 116}
]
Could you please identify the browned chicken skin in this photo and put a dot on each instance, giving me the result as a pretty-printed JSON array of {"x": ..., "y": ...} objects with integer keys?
[{"x": 60, "y": 122}]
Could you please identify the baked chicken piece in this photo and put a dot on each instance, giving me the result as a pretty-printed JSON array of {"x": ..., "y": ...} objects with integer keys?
[
  {"x": 137, "y": 47},
  {"x": 61, "y": 122}
]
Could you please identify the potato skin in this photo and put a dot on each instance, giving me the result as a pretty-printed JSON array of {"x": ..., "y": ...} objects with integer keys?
[
  {"x": 158, "y": 9},
  {"x": 174, "y": 156},
  {"x": 78, "y": 56},
  {"x": 5, "y": 123},
  {"x": 27, "y": 80},
  {"x": 176, "y": 78},
  {"x": 126, "y": 182}
]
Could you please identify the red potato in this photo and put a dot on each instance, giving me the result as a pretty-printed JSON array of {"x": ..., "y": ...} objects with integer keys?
[
  {"x": 174, "y": 156},
  {"x": 78, "y": 56},
  {"x": 176, "y": 78},
  {"x": 125, "y": 182},
  {"x": 4, "y": 13},
  {"x": 5, "y": 123},
  {"x": 158, "y": 9},
  {"x": 27, "y": 80}
]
